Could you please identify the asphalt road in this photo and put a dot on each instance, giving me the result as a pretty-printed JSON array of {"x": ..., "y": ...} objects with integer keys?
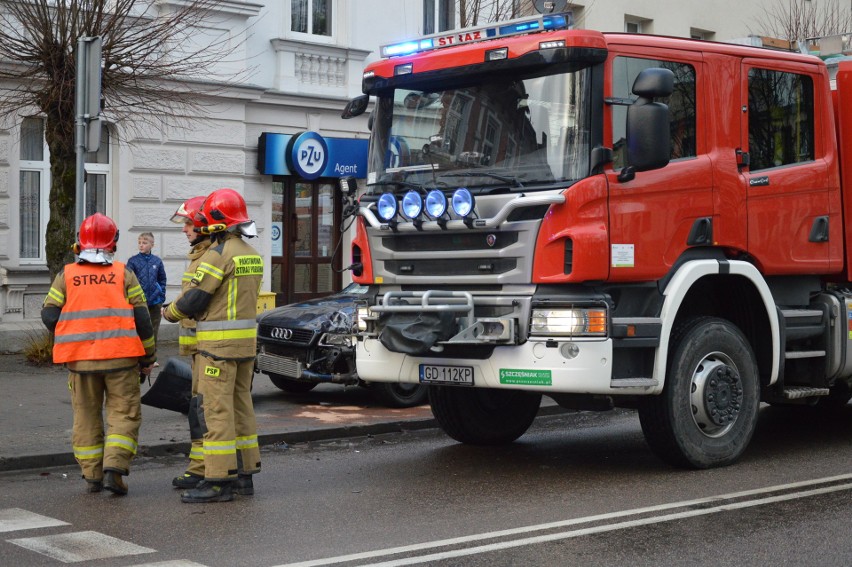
[{"x": 578, "y": 489}]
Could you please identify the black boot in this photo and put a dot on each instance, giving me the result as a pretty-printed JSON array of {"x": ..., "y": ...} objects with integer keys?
[
  {"x": 187, "y": 480},
  {"x": 114, "y": 482},
  {"x": 244, "y": 485},
  {"x": 208, "y": 492}
]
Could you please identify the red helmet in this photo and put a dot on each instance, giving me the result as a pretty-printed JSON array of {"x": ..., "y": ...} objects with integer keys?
[
  {"x": 97, "y": 232},
  {"x": 223, "y": 209},
  {"x": 187, "y": 210}
]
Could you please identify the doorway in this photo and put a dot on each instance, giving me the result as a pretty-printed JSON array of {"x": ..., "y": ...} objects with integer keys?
[{"x": 309, "y": 216}]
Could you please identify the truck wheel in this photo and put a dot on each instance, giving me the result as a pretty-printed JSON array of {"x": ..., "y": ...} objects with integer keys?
[
  {"x": 290, "y": 385},
  {"x": 480, "y": 416},
  {"x": 707, "y": 412},
  {"x": 399, "y": 395}
]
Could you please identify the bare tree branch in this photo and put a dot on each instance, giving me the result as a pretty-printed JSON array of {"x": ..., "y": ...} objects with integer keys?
[{"x": 155, "y": 58}]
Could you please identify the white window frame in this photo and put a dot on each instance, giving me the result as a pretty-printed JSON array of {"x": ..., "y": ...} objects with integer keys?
[
  {"x": 308, "y": 36},
  {"x": 104, "y": 169},
  {"x": 43, "y": 169},
  {"x": 438, "y": 5}
]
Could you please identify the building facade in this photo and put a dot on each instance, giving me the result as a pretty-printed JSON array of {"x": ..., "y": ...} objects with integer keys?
[{"x": 302, "y": 61}]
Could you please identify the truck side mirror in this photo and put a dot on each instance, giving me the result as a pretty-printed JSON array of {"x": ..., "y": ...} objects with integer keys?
[
  {"x": 648, "y": 137},
  {"x": 355, "y": 107}
]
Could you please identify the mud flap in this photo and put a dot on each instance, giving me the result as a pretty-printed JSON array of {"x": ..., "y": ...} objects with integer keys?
[
  {"x": 415, "y": 333},
  {"x": 172, "y": 389}
]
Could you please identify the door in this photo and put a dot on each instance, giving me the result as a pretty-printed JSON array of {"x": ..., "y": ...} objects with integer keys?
[
  {"x": 787, "y": 179},
  {"x": 309, "y": 264}
]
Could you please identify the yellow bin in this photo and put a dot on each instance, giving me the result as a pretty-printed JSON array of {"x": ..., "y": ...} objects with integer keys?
[{"x": 265, "y": 301}]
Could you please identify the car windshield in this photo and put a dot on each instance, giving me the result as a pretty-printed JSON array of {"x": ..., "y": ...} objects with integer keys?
[{"x": 509, "y": 132}]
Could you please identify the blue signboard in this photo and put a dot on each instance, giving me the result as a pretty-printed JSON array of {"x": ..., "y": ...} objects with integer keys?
[{"x": 309, "y": 155}]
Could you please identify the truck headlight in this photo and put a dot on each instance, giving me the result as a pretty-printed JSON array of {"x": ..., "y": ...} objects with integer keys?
[{"x": 569, "y": 322}]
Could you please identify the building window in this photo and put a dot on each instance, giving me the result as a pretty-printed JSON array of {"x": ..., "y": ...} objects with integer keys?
[
  {"x": 34, "y": 187},
  {"x": 438, "y": 16},
  {"x": 311, "y": 17},
  {"x": 98, "y": 177},
  {"x": 780, "y": 118},
  {"x": 34, "y": 176}
]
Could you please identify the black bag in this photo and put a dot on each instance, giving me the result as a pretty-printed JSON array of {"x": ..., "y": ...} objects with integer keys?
[{"x": 172, "y": 388}]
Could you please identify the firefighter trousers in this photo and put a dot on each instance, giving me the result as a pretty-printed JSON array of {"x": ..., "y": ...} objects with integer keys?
[
  {"x": 224, "y": 393},
  {"x": 115, "y": 394}
]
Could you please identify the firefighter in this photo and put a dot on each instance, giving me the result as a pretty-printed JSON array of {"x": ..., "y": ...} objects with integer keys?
[
  {"x": 222, "y": 298},
  {"x": 187, "y": 341},
  {"x": 102, "y": 331}
]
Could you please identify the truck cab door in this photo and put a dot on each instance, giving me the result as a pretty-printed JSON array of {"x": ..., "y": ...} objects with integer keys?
[{"x": 785, "y": 175}]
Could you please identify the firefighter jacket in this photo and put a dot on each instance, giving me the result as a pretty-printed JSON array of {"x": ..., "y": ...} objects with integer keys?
[
  {"x": 99, "y": 319},
  {"x": 187, "y": 341},
  {"x": 222, "y": 298}
]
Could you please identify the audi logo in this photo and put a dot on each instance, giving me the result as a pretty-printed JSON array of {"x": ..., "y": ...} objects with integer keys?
[{"x": 281, "y": 333}]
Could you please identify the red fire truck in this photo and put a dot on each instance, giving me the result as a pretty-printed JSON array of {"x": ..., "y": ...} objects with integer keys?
[{"x": 611, "y": 220}]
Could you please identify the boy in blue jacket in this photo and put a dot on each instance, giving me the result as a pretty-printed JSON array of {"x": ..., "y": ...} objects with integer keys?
[{"x": 151, "y": 274}]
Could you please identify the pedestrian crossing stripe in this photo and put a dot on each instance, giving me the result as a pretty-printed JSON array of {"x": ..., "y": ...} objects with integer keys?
[
  {"x": 74, "y": 547},
  {"x": 80, "y": 546},
  {"x": 13, "y": 519}
]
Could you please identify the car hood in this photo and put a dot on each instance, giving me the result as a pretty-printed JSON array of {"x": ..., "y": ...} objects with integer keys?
[{"x": 334, "y": 313}]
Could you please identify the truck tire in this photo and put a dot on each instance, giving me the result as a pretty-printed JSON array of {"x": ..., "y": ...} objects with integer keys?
[
  {"x": 399, "y": 395},
  {"x": 707, "y": 412},
  {"x": 291, "y": 386},
  {"x": 479, "y": 416}
]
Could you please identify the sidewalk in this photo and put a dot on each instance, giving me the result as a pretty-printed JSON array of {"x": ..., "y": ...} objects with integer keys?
[{"x": 36, "y": 416}]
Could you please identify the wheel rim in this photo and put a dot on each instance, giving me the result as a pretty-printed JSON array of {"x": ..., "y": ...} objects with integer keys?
[{"x": 716, "y": 395}]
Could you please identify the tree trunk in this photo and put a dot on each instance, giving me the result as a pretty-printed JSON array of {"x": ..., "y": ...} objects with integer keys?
[{"x": 61, "y": 229}]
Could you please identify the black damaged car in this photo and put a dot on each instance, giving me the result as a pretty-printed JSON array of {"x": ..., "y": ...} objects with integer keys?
[{"x": 304, "y": 344}]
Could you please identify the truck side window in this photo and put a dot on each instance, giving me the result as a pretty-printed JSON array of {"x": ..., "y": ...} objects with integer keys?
[
  {"x": 780, "y": 118},
  {"x": 681, "y": 104}
]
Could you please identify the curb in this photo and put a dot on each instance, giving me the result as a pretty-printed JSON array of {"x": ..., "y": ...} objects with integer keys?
[{"x": 26, "y": 462}]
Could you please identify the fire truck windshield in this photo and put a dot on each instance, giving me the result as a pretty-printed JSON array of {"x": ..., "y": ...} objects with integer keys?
[{"x": 509, "y": 132}]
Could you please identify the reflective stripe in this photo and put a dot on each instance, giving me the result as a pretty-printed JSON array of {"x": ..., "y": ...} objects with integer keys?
[
  {"x": 187, "y": 338},
  {"x": 226, "y": 325},
  {"x": 247, "y": 442},
  {"x": 123, "y": 442},
  {"x": 94, "y": 336},
  {"x": 196, "y": 454},
  {"x": 227, "y": 335},
  {"x": 232, "y": 299},
  {"x": 220, "y": 447},
  {"x": 90, "y": 452},
  {"x": 135, "y": 291},
  {"x": 92, "y": 313},
  {"x": 56, "y": 295},
  {"x": 176, "y": 313},
  {"x": 206, "y": 268}
]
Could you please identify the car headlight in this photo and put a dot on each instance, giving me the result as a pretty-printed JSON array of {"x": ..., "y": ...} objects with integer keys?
[
  {"x": 569, "y": 322},
  {"x": 336, "y": 340}
]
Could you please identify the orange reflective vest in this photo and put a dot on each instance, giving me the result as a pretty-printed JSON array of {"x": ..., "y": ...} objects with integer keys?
[{"x": 97, "y": 321}]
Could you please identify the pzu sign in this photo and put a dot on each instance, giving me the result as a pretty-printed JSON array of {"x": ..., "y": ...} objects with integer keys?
[{"x": 309, "y": 154}]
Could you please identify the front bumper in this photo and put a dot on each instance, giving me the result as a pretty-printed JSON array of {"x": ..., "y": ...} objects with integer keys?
[{"x": 563, "y": 366}]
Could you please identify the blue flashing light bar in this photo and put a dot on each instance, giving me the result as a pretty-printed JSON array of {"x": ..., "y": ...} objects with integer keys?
[{"x": 472, "y": 35}]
